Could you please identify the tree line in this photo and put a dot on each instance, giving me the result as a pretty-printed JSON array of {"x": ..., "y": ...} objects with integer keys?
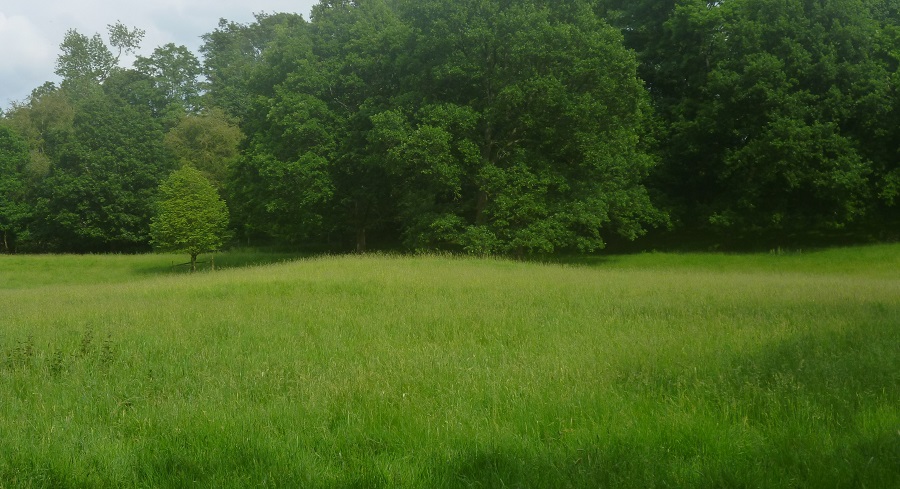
[{"x": 482, "y": 126}]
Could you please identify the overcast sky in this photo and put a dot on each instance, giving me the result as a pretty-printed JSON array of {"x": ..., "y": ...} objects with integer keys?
[{"x": 31, "y": 30}]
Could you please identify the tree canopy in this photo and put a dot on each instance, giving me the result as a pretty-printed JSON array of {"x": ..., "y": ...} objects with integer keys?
[
  {"x": 14, "y": 209},
  {"x": 481, "y": 126},
  {"x": 190, "y": 215},
  {"x": 774, "y": 114}
]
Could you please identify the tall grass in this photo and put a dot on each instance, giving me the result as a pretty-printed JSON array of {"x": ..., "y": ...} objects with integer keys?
[
  {"x": 27, "y": 271},
  {"x": 638, "y": 371}
]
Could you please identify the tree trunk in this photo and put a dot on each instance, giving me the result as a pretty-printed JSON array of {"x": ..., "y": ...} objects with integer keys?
[
  {"x": 361, "y": 240},
  {"x": 193, "y": 263},
  {"x": 480, "y": 206},
  {"x": 5, "y": 244}
]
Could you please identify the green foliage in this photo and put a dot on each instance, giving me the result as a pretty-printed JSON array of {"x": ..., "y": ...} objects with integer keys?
[
  {"x": 125, "y": 40},
  {"x": 174, "y": 71},
  {"x": 208, "y": 141},
  {"x": 560, "y": 123},
  {"x": 98, "y": 194},
  {"x": 773, "y": 112},
  {"x": 14, "y": 208},
  {"x": 84, "y": 58},
  {"x": 317, "y": 104},
  {"x": 232, "y": 53},
  {"x": 520, "y": 128},
  {"x": 46, "y": 121},
  {"x": 482, "y": 126},
  {"x": 85, "y": 61},
  {"x": 190, "y": 215}
]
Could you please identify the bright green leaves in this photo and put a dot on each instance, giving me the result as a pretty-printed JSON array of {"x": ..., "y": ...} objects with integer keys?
[{"x": 190, "y": 215}]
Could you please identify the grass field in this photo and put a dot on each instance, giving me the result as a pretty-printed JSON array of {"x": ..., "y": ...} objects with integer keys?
[{"x": 653, "y": 370}]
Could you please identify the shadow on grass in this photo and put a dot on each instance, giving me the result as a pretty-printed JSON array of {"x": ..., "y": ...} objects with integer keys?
[
  {"x": 619, "y": 462},
  {"x": 178, "y": 264},
  {"x": 818, "y": 408}
]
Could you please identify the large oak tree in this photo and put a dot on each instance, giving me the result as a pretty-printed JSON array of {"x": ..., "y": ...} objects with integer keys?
[{"x": 482, "y": 125}]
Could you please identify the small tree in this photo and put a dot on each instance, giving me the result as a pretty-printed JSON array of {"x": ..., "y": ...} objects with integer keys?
[{"x": 190, "y": 215}]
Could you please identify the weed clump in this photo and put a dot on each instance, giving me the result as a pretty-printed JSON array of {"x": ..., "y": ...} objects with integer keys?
[{"x": 24, "y": 356}]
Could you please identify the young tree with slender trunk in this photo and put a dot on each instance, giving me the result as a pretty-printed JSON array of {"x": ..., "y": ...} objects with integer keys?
[{"x": 191, "y": 217}]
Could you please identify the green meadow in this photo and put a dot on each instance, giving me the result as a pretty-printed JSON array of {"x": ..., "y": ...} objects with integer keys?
[{"x": 650, "y": 370}]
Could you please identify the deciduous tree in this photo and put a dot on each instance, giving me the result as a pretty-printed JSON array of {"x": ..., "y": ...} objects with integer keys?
[
  {"x": 539, "y": 108},
  {"x": 98, "y": 193},
  {"x": 14, "y": 209},
  {"x": 481, "y": 125},
  {"x": 190, "y": 215},
  {"x": 175, "y": 71},
  {"x": 209, "y": 141},
  {"x": 85, "y": 61}
]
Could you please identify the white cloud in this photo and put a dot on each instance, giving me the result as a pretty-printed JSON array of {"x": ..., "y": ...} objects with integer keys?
[
  {"x": 26, "y": 54},
  {"x": 31, "y": 30}
]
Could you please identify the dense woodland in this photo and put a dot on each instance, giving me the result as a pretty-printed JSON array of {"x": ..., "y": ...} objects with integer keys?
[{"x": 481, "y": 126}]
